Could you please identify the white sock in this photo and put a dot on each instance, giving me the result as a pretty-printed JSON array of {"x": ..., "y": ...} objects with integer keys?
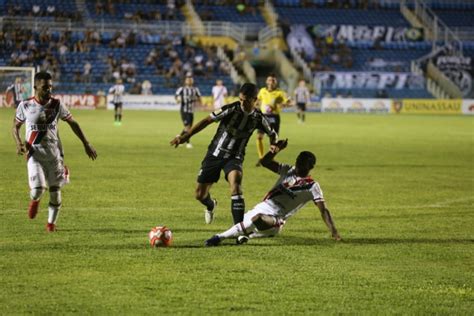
[
  {"x": 237, "y": 230},
  {"x": 54, "y": 206},
  {"x": 53, "y": 213}
]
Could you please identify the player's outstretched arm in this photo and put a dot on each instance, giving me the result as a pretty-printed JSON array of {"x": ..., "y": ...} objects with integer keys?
[
  {"x": 268, "y": 162},
  {"x": 184, "y": 136},
  {"x": 20, "y": 146},
  {"x": 328, "y": 220},
  {"x": 90, "y": 151}
]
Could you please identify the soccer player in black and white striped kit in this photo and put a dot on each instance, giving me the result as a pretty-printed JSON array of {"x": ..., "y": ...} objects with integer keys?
[
  {"x": 187, "y": 97},
  {"x": 17, "y": 89},
  {"x": 226, "y": 151}
]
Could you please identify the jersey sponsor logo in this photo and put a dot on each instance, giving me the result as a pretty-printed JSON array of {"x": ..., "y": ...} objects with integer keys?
[{"x": 42, "y": 127}]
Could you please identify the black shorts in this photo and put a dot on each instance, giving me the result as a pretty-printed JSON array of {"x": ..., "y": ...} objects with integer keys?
[
  {"x": 301, "y": 106},
  {"x": 274, "y": 120},
  {"x": 211, "y": 167},
  {"x": 187, "y": 118},
  {"x": 118, "y": 105}
]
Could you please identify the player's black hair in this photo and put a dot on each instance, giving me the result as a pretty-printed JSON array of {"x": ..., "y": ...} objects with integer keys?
[
  {"x": 307, "y": 158},
  {"x": 272, "y": 74},
  {"x": 43, "y": 75},
  {"x": 249, "y": 90}
]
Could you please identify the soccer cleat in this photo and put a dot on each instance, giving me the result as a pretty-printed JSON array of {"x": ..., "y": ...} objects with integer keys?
[
  {"x": 213, "y": 241},
  {"x": 67, "y": 174},
  {"x": 50, "y": 227},
  {"x": 189, "y": 146},
  {"x": 242, "y": 240},
  {"x": 33, "y": 208},
  {"x": 209, "y": 215}
]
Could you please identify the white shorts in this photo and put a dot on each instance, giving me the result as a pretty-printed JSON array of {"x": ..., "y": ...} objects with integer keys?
[
  {"x": 45, "y": 173},
  {"x": 263, "y": 208}
]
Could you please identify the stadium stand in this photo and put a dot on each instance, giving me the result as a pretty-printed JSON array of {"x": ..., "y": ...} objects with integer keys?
[{"x": 89, "y": 60}]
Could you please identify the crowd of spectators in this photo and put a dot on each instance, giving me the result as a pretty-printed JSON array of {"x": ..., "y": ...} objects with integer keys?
[
  {"x": 38, "y": 10},
  {"x": 192, "y": 61},
  {"x": 172, "y": 57},
  {"x": 341, "y": 4},
  {"x": 330, "y": 54},
  {"x": 108, "y": 7}
]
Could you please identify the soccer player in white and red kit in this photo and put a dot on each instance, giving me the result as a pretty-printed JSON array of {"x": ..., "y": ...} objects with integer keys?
[
  {"x": 41, "y": 115},
  {"x": 292, "y": 191}
]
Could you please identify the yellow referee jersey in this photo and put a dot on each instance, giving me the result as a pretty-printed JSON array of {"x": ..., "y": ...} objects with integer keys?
[{"x": 270, "y": 102}]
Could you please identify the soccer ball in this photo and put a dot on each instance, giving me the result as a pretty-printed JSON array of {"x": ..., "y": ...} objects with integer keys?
[{"x": 160, "y": 236}]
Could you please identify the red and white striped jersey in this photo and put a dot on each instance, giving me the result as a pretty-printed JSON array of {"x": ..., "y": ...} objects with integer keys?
[
  {"x": 290, "y": 192},
  {"x": 41, "y": 121}
]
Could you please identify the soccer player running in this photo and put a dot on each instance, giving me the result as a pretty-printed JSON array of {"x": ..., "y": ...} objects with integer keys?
[
  {"x": 45, "y": 166},
  {"x": 118, "y": 91},
  {"x": 219, "y": 93},
  {"x": 226, "y": 151},
  {"x": 17, "y": 90},
  {"x": 293, "y": 189},
  {"x": 270, "y": 99},
  {"x": 188, "y": 97},
  {"x": 302, "y": 99}
]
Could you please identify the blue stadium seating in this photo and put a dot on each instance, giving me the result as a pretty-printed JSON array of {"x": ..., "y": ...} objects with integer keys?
[
  {"x": 230, "y": 13},
  {"x": 311, "y": 16}
]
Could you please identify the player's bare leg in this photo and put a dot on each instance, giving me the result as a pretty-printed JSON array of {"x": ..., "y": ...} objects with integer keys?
[
  {"x": 202, "y": 195},
  {"x": 241, "y": 231},
  {"x": 53, "y": 208},
  {"x": 260, "y": 147},
  {"x": 35, "y": 195},
  {"x": 237, "y": 199}
]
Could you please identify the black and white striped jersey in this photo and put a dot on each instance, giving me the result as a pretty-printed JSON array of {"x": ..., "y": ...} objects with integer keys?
[
  {"x": 234, "y": 131},
  {"x": 188, "y": 97},
  {"x": 17, "y": 90}
]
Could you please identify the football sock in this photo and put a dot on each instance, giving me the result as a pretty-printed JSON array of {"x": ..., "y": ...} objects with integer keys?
[
  {"x": 260, "y": 148},
  {"x": 298, "y": 115},
  {"x": 208, "y": 202},
  {"x": 120, "y": 117},
  {"x": 237, "y": 230},
  {"x": 303, "y": 116},
  {"x": 36, "y": 193},
  {"x": 54, "y": 206},
  {"x": 238, "y": 208},
  {"x": 116, "y": 117}
]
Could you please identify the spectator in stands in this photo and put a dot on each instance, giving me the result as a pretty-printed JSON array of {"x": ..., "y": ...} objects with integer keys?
[
  {"x": 189, "y": 52},
  {"x": 86, "y": 74},
  {"x": 131, "y": 39},
  {"x": 36, "y": 10},
  {"x": 50, "y": 10},
  {"x": 171, "y": 10},
  {"x": 152, "y": 57},
  {"x": 146, "y": 87},
  {"x": 99, "y": 8},
  {"x": 188, "y": 67},
  {"x": 224, "y": 67},
  {"x": 63, "y": 49},
  {"x": 136, "y": 89},
  {"x": 110, "y": 8},
  {"x": 210, "y": 66}
]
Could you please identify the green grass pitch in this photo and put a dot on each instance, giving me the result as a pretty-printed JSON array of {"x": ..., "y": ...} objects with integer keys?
[{"x": 400, "y": 189}]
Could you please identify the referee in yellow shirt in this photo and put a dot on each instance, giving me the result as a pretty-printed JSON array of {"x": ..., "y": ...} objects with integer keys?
[{"x": 270, "y": 99}]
